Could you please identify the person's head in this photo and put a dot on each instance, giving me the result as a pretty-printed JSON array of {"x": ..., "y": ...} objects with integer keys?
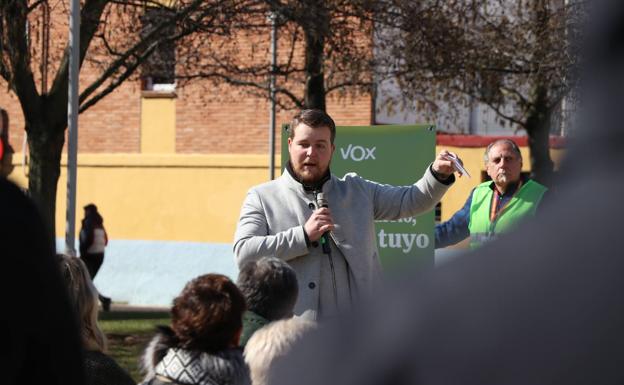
[
  {"x": 311, "y": 144},
  {"x": 270, "y": 287},
  {"x": 90, "y": 208},
  {"x": 91, "y": 212},
  {"x": 83, "y": 298},
  {"x": 272, "y": 342},
  {"x": 42, "y": 340},
  {"x": 207, "y": 315},
  {"x": 503, "y": 162}
]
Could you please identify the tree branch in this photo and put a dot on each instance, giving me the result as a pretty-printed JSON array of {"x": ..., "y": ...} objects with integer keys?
[
  {"x": 35, "y": 5},
  {"x": 58, "y": 95},
  {"x": 146, "y": 45},
  {"x": 19, "y": 74},
  {"x": 345, "y": 84},
  {"x": 111, "y": 87},
  {"x": 291, "y": 96},
  {"x": 499, "y": 112}
]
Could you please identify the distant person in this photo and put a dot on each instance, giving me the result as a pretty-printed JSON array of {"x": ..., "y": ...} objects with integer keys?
[
  {"x": 272, "y": 343},
  {"x": 495, "y": 206},
  {"x": 330, "y": 242},
  {"x": 93, "y": 241},
  {"x": 270, "y": 288},
  {"x": 201, "y": 346},
  {"x": 41, "y": 344},
  {"x": 99, "y": 367}
]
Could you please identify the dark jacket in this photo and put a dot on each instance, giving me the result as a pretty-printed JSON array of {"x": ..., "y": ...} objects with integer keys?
[
  {"x": 92, "y": 220},
  {"x": 103, "y": 370},
  {"x": 251, "y": 323},
  {"x": 42, "y": 343}
]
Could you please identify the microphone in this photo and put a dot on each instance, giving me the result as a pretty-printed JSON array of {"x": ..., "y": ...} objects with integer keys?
[{"x": 321, "y": 201}]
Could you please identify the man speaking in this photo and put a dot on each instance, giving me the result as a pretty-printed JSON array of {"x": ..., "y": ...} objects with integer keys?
[{"x": 324, "y": 225}]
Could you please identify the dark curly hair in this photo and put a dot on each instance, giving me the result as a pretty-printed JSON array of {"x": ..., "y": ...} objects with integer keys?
[{"x": 207, "y": 315}]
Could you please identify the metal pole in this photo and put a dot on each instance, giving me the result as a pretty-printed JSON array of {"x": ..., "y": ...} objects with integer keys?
[
  {"x": 272, "y": 95},
  {"x": 72, "y": 123}
]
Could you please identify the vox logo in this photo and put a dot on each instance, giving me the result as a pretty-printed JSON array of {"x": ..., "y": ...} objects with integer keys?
[{"x": 357, "y": 153}]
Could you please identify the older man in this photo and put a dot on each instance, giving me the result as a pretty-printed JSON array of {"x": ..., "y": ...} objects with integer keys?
[
  {"x": 270, "y": 288},
  {"x": 332, "y": 250},
  {"x": 495, "y": 206}
]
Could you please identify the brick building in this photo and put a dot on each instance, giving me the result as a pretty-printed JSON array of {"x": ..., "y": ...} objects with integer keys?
[{"x": 169, "y": 169}]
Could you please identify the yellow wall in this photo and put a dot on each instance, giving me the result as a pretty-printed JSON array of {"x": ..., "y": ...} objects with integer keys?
[
  {"x": 192, "y": 197},
  {"x": 158, "y": 125},
  {"x": 161, "y": 197}
]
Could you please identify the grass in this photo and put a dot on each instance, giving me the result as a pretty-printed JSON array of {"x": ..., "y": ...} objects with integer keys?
[{"x": 128, "y": 334}]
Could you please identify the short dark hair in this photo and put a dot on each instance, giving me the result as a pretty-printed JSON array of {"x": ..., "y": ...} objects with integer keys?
[
  {"x": 270, "y": 287},
  {"x": 208, "y": 314},
  {"x": 314, "y": 119},
  {"x": 511, "y": 143},
  {"x": 91, "y": 207}
]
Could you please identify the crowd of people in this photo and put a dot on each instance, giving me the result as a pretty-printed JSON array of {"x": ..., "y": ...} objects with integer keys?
[
  {"x": 545, "y": 311},
  {"x": 301, "y": 264},
  {"x": 201, "y": 346}
]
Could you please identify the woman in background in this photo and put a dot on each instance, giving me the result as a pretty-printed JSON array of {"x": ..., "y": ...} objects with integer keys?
[
  {"x": 100, "y": 369},
  {"x": 93, "y": 241}
]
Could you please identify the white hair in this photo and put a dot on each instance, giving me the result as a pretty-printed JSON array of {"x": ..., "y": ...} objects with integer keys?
[{"x": 270, "y": 342}]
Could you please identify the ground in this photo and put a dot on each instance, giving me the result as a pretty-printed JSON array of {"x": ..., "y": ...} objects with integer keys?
[{"x": 129, "y": 330}]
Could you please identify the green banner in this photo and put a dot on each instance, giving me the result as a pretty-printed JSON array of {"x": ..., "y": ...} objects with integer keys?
[{"x": 396, "y": 155}]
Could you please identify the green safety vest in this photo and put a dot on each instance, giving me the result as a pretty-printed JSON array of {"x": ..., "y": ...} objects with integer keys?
[{"x": 522, "y": 204}]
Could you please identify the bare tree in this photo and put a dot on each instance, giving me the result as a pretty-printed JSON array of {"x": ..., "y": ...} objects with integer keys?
[
  {"x": 324, "y": 47},
  {"x": 517, "y": 57},
  {"x": 113, "y": 40}
]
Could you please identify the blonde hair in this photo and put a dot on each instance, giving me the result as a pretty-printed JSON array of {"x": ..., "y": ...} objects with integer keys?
[
  {"x": 83, "y": 298},
  {"x": 271, "y": 342}
]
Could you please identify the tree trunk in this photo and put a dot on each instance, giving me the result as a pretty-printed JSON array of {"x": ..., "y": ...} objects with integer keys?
[
  {"x": 315, "y": 78},
  {"x": 538, "y": 121},
  {"x": 538, "y": 131},
  {"x": 45, "y": 146},
  {"x": 315, "y": 31}
]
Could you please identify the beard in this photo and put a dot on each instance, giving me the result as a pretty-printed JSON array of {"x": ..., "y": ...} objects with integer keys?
[{"x": 309, "y": 174}]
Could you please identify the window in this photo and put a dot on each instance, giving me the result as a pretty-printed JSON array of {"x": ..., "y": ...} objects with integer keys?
[{"x": 158, "y": 70}]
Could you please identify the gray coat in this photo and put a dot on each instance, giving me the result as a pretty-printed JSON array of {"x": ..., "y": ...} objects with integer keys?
[{"x": 273, "y": 215}]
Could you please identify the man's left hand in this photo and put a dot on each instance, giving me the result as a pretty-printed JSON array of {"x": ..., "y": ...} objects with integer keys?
[{"x": 443, "y": 165}]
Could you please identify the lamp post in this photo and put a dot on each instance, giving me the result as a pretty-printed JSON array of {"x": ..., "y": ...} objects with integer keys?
[
  {"x": 72, "y": 123},
  {"x": 273, "y": 17}
]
